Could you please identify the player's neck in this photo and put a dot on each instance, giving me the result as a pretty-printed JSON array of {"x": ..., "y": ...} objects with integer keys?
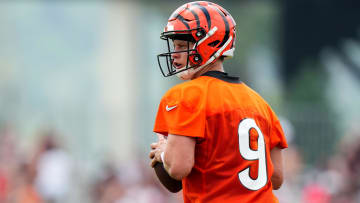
[{"x": 216, "y": 66}]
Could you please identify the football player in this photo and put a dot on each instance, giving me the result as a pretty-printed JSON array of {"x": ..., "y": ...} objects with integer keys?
[{"x": 217, "y": 135}]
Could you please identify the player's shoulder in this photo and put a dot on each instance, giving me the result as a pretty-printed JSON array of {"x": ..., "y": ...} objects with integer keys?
[
  {"x": 188, "y": 88},
  {"x": 256, "y": 98},
  {"x": 255, "y": 94},
  {"x": 187, "y": 92}
]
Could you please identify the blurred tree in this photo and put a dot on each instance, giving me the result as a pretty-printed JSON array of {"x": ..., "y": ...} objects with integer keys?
[
  {"x": 311, "y": 114},
  {"x": 311, "y": 25}
]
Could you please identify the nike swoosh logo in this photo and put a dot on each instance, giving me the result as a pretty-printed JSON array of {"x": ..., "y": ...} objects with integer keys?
[{"x": 170, "y": 108}]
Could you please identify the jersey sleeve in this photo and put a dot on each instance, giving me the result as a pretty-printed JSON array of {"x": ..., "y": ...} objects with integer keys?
[
  {"x": 182, "y": 112},
  {"x": 277, "y": 136}
]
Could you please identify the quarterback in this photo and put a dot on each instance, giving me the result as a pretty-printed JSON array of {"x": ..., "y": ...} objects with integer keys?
[{"x": 217, "y": 136}]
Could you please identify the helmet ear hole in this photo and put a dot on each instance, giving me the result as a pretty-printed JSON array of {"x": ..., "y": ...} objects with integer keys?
[
  {"x": 200, "y": 33},
  {"x": 195, "y": 59}
]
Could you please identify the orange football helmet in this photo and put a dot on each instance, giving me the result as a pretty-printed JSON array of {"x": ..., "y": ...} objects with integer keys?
[{"x": 209, "y": 26}]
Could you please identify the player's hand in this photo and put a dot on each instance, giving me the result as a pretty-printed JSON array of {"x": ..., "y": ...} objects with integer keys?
[
  {"x": 160, "y": 136},
  {"x": 155, "y": 154},
  {"x": 156, "y": 150}
]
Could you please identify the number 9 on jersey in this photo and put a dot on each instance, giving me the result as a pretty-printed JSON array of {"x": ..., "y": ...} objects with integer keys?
[{"x": 252, "y": 155}]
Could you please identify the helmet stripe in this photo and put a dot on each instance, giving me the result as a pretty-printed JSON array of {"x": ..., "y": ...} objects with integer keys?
[
  {"x": 183, "y": 21},
  {"x": 222, "y": 8},
  {"x": 196, "y": 17},
  {"x": 227, "y": 27},
  {"x": 227, "y": 14},
  {"x": 206, "y": 13}
]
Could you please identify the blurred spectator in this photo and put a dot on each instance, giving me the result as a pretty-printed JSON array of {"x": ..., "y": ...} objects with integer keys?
[
  {"x": 131, "y": 183},
  {"x": 3, "y": 186},
  {"x": 46, "y": 177},
  {"x": 108, "y": 188},
  {"x": 316, "y": 187},
  {"x": 141, "y": 180},
  {"x": 9, "y": 160},
  {"x": 347, "y": 163},
  {"x": 54, "y": 170},
  {"x": 316, "y": 193},
  {"x": 290, "y": 191},
  {"x": 353, "y": 166},
  {"x": 25, "y": 191}
]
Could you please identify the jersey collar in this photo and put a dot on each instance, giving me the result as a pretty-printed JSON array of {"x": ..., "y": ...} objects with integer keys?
[{"x": 222, "y": 76}]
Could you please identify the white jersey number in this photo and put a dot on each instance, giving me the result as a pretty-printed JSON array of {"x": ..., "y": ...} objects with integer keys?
[{"x": 247, "y": 153}]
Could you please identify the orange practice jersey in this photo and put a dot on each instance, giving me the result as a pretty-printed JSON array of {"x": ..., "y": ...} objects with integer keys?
[{"x": 235, "y": 130}]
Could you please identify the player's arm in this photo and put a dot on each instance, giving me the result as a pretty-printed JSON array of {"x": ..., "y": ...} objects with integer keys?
[
  {"x": 165, "y": 179},
  {"x": 179, "y": 156},
  {"x": 277, "y": 160}
]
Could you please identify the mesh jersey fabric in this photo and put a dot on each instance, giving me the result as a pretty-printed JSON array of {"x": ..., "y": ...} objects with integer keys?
[{"x": 211, "y": 109}]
